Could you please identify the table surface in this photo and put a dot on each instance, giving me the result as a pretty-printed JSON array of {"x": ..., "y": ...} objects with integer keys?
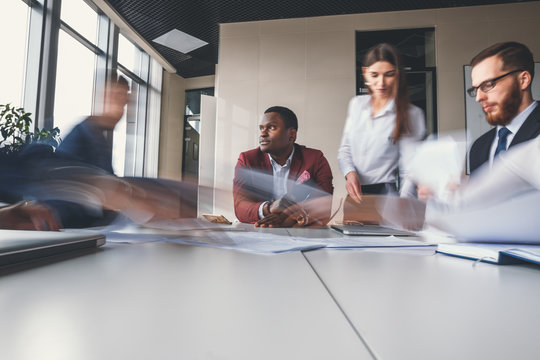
[
  {"x": 169, "y": 301},
  {"x": 411, "y": 306}
]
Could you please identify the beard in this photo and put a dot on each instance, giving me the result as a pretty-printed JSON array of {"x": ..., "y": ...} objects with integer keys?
[{"x": 508, "y": 106}]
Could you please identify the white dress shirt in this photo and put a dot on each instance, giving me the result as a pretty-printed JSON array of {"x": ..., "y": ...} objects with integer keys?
[
  {"x": 281, "y": 175},
  {"x": 513, "y": 126},
  {"x": 366, "y": 145}
]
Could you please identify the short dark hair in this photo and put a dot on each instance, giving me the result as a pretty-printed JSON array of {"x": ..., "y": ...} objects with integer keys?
[
  {"x": 288, "y": 116},
  {"x": 514, "y": 56}
]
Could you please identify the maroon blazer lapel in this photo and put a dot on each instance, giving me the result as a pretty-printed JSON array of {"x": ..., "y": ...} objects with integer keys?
[{"x": 263, "y": 161}]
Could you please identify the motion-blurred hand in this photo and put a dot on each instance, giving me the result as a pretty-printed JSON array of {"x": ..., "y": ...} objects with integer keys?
[
  {"x": 28, "y": 215},
  {"x": 353, "y": 186},
  {"x": 424, "y": 192}
]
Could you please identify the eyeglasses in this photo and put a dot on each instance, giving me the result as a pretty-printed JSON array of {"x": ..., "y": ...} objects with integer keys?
[{"x": 488, "y": 84}]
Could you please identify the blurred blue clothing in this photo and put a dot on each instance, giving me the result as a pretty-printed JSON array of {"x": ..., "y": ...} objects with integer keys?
[{"x": 87, "y": 143}]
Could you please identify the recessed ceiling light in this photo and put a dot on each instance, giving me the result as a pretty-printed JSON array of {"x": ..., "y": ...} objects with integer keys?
[{"x": 180, "y": 41}]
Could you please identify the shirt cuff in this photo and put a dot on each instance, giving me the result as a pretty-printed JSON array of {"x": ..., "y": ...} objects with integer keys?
[
  {"x": 261, "y": 207},
  {"x": 348, "y": 170}
]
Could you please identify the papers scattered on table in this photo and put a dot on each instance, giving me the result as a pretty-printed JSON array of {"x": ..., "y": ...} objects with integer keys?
[
  {"x": 187, "y": 225},
  {"x": 258, "y": 242},
  {"x": 369, "y": 242},
  {"x": 200, "y": 232},
  {"x": 511, "y": 221}
]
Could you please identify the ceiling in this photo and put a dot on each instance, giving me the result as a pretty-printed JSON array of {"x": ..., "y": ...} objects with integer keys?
[{"x": 201, "y": 19}]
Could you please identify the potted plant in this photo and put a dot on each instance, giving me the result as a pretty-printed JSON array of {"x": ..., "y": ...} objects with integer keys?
[{"x": 16, "y": 132}]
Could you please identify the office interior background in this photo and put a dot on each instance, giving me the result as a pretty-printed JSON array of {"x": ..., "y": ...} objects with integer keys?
[{"x": 58, "y": 55}]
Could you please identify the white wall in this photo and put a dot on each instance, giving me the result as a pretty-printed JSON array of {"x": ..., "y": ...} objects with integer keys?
[{"x": 309, "y": 65}]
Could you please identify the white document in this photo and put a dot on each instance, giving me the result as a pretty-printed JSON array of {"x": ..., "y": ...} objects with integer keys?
[
  {"x": 512, "y": 221},
  {"x": 257, "y": 242},
  {"x": 368, "y": 242},
  {"x": 437, "y": 164}
]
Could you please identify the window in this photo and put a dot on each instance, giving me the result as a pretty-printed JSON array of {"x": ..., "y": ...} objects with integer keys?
[
  {"x": 81, "y": 17},
  {"x": 121, "y": 131},
  {"x": 129, "y": 56},
  {"x": 57, "y": 61},
  {"x": 74, "y": 83},
  {"x": 13, "y": 35},
  {"x": 130, "y": 132}
]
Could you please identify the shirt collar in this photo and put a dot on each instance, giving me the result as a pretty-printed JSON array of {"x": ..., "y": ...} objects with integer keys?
[
  {"x": 388, "y": 108},
  {"x": 287, "y": 163},
  {"x": 520, "y": 118}
]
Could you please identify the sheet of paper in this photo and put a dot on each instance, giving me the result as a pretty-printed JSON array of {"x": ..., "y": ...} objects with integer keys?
[
  {"x": 438, "y": 164},
  {"x": 123, "y": 230},
  {"x": 257, "y": 242},
  {"x": 513, "y": 221},
  {"x": 368, "y": 242}
]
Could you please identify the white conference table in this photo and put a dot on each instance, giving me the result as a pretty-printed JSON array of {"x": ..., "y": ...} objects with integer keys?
[
  {"x": 169, "y": 301},
  {"x": 408, "y": 306}
]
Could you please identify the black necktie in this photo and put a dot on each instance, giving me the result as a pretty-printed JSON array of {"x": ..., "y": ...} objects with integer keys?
[{"x": 503, "y": 134}]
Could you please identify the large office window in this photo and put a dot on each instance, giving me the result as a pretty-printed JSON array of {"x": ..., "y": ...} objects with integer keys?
[
  {"x": 74, "y": 83},
  {"x": 129, "y": 134},
  {"x": 120, "y": 134},
  {"x": 81, "y": 17},
  {"x": 75, "y": 70},
  {"x": 129, "y": 55},
  {"x": 58, "y": 57},
  {"x": 13, "y": 34}
]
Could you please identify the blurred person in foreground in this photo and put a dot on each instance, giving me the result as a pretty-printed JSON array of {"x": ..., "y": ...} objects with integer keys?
[
  {"x": 36, "y": 185},
  {"x": 498, "y": 204},
  {"x": 15, "y": 212},
  {"x": 281, "y": 183},
  {"x": 87, "y": 142},
  {"x": 79, "y": 194},
  {"x": 378, "y": 128}
]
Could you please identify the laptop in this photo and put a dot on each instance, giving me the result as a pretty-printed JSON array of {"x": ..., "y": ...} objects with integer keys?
[
  {"x": 19, "y": 245},
  {"x": 370, "y": 230}
]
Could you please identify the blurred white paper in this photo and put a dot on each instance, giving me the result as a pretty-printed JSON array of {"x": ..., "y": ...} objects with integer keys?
[
  {"x": 257, "y": 242},
  {"x": 512, "y": 221},
  {"x": 368, "y": 242},
  {"x": 437, "y": 164}
]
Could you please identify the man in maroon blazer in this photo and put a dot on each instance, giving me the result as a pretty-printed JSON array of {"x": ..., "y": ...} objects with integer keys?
[{"x": 272, "y": 180}]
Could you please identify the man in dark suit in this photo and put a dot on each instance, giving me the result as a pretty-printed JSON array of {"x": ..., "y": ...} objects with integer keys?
[
  {"x": 502, "y": 76},
  {"x": 273, "y": 179}
]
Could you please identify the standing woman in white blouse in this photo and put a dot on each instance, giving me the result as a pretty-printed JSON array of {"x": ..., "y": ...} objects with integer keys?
[{"x": 379, "y": 126}]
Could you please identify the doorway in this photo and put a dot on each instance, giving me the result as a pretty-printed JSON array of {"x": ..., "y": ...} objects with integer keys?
[{"x": 192, "y": 127}]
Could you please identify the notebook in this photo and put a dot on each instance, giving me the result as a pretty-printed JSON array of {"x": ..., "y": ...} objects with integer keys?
[
  {"x": 370, "y": 230},
  {"x": 493, "y": 253},
  {"x": 19, "y": 245}
]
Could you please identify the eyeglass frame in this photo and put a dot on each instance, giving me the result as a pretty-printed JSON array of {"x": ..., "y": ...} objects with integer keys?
[{"x": 490, "y": 83}]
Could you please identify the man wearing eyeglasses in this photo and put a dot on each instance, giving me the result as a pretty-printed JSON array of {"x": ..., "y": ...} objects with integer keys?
[{"x": 502, "y": 76}]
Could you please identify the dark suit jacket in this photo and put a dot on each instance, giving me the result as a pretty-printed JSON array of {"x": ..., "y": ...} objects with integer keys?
[
  {"x": 250, "y": 189},
  {"x": 86, "y": 143},
  {"x": 479, "y": 153}
]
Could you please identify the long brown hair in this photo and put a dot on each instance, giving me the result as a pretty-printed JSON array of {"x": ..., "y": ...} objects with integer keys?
[{"x": 389, "y": 53}]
